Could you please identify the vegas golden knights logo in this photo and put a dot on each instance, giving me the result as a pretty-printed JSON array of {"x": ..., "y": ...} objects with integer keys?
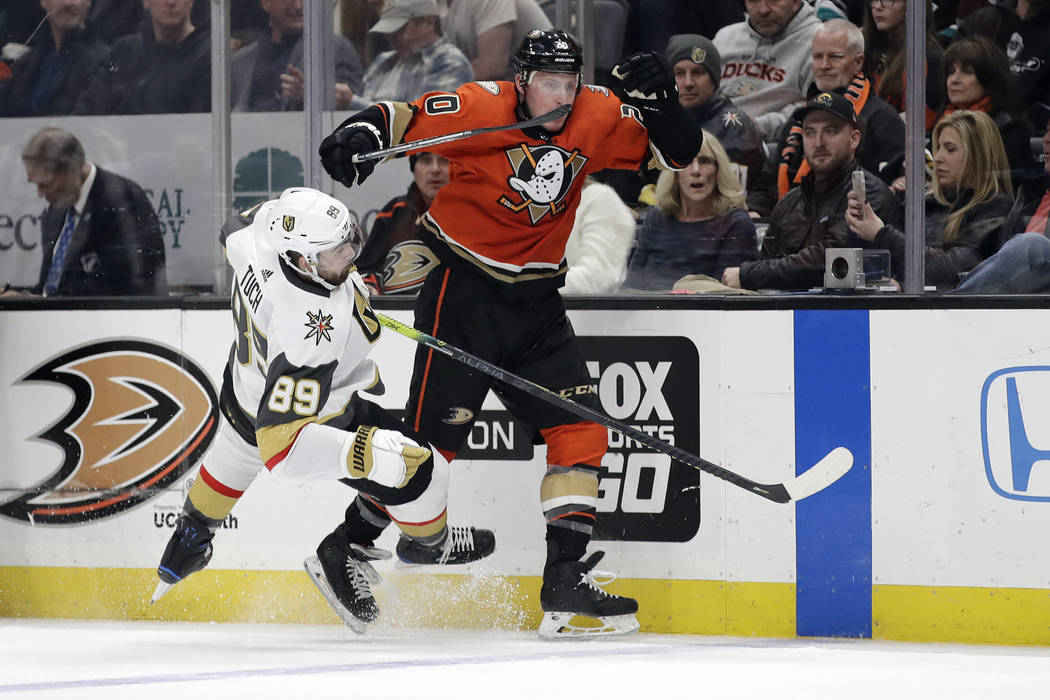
[
  {"x": 288, "y": 222},
  {"x": 142, "y": 415},
  {"x": 542, "y": 178}
]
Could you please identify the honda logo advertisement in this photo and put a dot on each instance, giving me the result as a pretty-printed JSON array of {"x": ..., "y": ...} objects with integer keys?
[{"x": 1016, "y": 443}]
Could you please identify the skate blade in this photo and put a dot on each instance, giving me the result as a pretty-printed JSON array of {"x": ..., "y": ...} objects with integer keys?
[
  {"x": 159, "y": 591},
  {"x": 316, "y": 574},
  {"x": 559, "y": 625}
]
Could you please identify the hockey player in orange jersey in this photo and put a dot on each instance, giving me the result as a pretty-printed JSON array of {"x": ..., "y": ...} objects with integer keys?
[{"x": 499, "y": 229}]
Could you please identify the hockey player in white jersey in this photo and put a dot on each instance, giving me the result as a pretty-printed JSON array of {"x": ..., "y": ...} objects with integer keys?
[{"x": 304, "y": 330}]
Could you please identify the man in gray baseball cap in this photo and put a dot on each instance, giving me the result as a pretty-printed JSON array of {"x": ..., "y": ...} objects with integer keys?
[{"x": 398, "y": 12}]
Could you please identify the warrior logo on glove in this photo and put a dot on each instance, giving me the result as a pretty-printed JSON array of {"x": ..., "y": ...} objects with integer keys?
[{"x": 542, "y": 177}]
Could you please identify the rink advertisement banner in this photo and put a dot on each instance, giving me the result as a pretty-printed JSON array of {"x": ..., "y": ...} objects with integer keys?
[
  {"x": 170, "y": 157},
  {"x": 934, "y": 534},
  {"x": 142, "y": 415}
]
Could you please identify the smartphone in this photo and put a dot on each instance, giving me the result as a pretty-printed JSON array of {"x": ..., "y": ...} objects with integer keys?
[{"x": 858, "y": 186}]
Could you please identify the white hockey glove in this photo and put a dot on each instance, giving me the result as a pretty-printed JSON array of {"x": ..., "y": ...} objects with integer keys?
[{"x": 385, "y": 457}]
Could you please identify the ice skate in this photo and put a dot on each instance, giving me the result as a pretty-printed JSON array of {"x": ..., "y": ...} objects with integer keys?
[
  {"x": 188, "y": 550},
  {"x": 462, "y": 545},
  {"x": 343, "y": 574},
  {"x": 575, "y": 588}
]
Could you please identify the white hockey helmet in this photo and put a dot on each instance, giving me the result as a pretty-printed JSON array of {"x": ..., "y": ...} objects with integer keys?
[{"x": 310, "y": 222}]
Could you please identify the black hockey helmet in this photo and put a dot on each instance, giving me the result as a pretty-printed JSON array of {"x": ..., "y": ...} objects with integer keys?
[{"x": 551, "y": 50}]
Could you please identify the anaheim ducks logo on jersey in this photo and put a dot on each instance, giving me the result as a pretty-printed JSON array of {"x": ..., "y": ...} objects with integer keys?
[
  {"x": 142, "y": 415},
  {"x": 406, "y": 266},
  {"x": 542, "y": 177}
]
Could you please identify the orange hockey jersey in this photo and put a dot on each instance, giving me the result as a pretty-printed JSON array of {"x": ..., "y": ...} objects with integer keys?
[{"x": 511, "y": 201}]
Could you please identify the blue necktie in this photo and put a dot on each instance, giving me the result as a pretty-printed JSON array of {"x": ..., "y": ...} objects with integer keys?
[{"x": 58, "y": 257}]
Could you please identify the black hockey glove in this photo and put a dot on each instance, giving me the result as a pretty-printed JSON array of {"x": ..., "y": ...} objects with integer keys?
[
  {"x": 338, "y": 149},
  {"x": 646, "y": 81}
]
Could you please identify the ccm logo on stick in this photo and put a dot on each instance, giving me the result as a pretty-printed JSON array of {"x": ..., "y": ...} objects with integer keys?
[{"x": 1015, "y": 412}]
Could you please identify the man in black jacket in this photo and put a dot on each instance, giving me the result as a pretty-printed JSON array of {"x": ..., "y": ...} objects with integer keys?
[
  {"x": 99, "y": 233},
  {"x": 810, "y": 217},
  {"x": 163, "y": 70},
  {"x": 838, "y": 57},
  {"x": 61, "y": 58}
]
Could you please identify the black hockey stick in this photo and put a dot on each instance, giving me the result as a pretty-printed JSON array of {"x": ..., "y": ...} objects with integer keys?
[
  {"x": 550, "y": 116},
  {"x": 818, "y": 477}
]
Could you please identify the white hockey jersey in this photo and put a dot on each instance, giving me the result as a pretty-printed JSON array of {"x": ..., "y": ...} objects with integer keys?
[{"x": 299, "y": 355}]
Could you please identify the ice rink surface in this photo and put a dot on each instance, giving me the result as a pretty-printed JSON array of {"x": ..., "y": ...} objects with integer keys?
[{"x": 77, "y": 659}]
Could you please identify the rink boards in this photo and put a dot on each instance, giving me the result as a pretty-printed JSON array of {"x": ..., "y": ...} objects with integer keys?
[{"x": 935, "y": 534}]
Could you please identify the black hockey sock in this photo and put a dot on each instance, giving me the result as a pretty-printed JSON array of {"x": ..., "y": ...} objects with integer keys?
[
  {"x": 363, "y": 522},
  {"x": 191, "y": 511},
  {"x": 565, "y": 545}
]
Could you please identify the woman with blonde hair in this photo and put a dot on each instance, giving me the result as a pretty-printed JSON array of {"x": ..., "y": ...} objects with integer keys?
[
  {"x": 972, "y": 195},
  {"x": 699, "y": 225}
]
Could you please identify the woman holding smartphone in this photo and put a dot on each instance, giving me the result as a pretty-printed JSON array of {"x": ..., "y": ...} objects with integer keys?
[{"x": 965, "y": 212}]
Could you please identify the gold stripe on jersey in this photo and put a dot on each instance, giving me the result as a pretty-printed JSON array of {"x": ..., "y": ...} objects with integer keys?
[
  {"x": 505, "y": 276},
  {"x": 398, "y": 115},
  {"x": 275, "y": 439}
]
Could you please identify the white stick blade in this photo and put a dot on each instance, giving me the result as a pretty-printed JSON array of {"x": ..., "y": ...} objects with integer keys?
[{"x": 821, "y": 475}]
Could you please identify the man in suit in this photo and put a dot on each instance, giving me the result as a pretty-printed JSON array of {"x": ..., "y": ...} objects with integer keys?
[{"x": 99, "y": 233}]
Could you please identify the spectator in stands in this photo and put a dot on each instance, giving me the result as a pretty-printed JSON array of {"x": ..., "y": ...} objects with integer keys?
[
  {"x": 977, "y": 77},
  {"x": 1022, "y": 29},
  {"x": 838, "y": 59},
  {"x": 599, "y": 242},
  {"x": 700, "y": 225},
  {"x": 697, "y": 68},
  {"x": 163, "y": 70},
  {"x": 767, "y": 65},
  {"x": 395, "y": 260},
  {"x": 965, "y": 213},
  {"x": 423, "y": 59},
  {"x": 267, "y": 74},
  {"x": 809, "y": 219},
  {"x": 489, "y": 31},
  {"x": 109, "y": 20},
  {"x": 884, "y": 58},
  {"x": 99, "y": 233},
  {"x": 1022, "y": 265},
  {"x": 62, "y": 57}
]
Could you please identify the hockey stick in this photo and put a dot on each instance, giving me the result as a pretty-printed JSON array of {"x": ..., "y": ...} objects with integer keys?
[
  {"x": 817, "y": 478},
  {"x": 550, "y": 116}
]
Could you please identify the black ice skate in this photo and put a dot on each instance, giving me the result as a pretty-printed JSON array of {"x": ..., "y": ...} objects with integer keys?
[
  {"x": 575, "y": 588},
  {"x": 462, "y": 545},
  {"x": 343, "y": 574},
  {"x": 188, "y": 550}
]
